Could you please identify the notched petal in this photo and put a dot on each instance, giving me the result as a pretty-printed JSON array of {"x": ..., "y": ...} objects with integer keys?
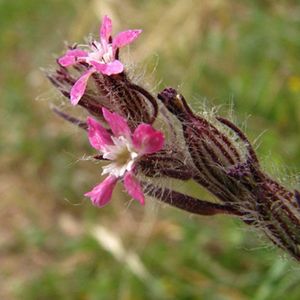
[
  {"x": 134, "y": 188},
  {"x": 79, "y": 87},
  {"x": 117, "y": 124},
  {"x": 125, "y": 37},
  {"x": 147, "y": 140},
  {"x": 105, "y": 29},
  {"x": 71, "y": 57},
  {"x": 101, "y": 194},
  {"x": 114, "y": 67},
  {"x": 98, "y": 136}
]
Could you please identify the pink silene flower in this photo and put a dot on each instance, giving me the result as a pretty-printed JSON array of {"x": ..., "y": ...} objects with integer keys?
[
  {"x": 123, "y": 148},
  {"x": 101, "y": 57}
]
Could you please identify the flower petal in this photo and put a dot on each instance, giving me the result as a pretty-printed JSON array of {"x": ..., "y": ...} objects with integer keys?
[
  {"x": 114, "y": 67},
  {"x": 71, "y": 57},
  {"x": 79, "y": 87},
  {"x": 98, "y": 135},
  {"x": 118, "y": 124},
  {"x": 147, "y": 140},
  {"x": 133, "y": 187},
  {"x": 105, "y": 30},
  {"x": 125, "y": 37},
  {"x": 101, "y": 194}
]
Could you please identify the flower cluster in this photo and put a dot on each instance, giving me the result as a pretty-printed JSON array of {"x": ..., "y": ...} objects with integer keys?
[
  {"x": 213, "y": 152},
  {"x": 123, "y": 148}
]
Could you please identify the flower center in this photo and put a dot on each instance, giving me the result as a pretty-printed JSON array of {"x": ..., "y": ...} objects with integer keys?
[
  {"x": 122, "y": 156},
  {"x": 101, "y": 53},
  {"x": 96, "y": 55}
]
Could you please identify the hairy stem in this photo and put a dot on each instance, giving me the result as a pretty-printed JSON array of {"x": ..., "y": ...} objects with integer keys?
[{"x": 188, "y": 203}]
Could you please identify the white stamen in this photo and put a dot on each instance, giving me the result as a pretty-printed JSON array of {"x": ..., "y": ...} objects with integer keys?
[
  {"x": 122, "y": 155},
  {"x": 101, "y": 53}
]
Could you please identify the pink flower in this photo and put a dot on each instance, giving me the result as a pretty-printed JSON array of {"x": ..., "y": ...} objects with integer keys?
[
  {"x": 101, "y": 57},
  {"x": 123, "y": 148}
]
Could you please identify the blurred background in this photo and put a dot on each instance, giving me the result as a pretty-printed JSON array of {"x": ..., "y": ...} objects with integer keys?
[{"x": 242, "y": 56}]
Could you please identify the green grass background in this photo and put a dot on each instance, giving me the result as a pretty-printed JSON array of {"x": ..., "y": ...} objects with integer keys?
[{"x": 240, "y": 55}]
